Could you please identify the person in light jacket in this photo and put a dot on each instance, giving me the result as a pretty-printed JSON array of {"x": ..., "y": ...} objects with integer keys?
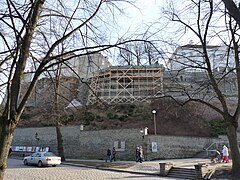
[
  {"x": 225, "y": 154},
  {"x": 140, "y": 154}
]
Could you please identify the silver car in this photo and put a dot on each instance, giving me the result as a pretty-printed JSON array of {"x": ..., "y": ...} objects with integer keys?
[{"x": 42, "y": 159}]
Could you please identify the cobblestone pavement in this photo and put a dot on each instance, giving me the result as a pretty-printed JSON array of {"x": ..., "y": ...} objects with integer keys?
[{"x": 17, "y": 171}]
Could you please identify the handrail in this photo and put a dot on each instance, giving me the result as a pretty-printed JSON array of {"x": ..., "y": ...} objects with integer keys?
[
  {"x": 210, "y": 146},
  {"x": 222, "y": 142}
]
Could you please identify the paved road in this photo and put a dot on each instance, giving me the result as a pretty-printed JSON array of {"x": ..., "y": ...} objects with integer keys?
[{"x": 17, "y": 171}]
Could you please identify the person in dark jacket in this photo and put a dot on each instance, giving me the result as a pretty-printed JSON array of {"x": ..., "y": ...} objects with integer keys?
[
  {"x": 113, "y": 154},
  {"x": 108, "y": 155},
  {"x": 137, "y": 154}
]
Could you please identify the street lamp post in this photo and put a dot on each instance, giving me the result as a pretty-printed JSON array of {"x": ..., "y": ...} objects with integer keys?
[{"x": 154, "y": 121}]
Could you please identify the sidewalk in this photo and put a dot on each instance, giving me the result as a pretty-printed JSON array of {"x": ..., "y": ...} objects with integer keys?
[{"x": 148, "y": 167}]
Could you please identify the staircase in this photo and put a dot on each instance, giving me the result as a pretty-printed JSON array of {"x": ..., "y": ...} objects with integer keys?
[{"x": 183, "y": 173}]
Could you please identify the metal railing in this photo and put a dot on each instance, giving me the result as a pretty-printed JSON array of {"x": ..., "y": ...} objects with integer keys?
[{"x": 217, "y": 146}]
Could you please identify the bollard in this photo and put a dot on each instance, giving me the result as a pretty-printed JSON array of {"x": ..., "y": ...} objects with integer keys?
[
  {"x": 201, "y": 170},
  {"x": 165, "y": 168}
]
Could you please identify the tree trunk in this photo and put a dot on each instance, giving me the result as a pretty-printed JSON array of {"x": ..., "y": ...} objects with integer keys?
[
  {"x": 60, "y": 142},
  {"x": 232, "y": 137},
  {"x": 6, "y": 135}
]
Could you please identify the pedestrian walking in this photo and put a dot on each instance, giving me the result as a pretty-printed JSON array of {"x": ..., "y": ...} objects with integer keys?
[
  {"x": 140, "y": 154},
  {"x": 137, "y": 154},
  {"x": 225, "y": 154},
  {"x": 113, "y": 154},
  {"x": 108, "y": 155}
]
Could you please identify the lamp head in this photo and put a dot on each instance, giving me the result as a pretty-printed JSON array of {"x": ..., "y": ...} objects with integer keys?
[{"x": 154, "y": 111}]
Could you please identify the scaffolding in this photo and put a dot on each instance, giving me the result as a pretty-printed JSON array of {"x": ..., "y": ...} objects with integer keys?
[{"x": 126, "y": 84}]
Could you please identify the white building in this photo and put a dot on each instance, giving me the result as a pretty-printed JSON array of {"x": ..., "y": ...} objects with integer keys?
[
  {"x": 191, "y": 58},
  {"x": 186, "y": 74}
]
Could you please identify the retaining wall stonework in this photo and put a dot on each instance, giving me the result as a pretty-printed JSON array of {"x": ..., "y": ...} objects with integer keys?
[
  {"x": 26, "y": 137},
  {"x": 94, "y": 144},
  {"x": 178, "y": 146}
]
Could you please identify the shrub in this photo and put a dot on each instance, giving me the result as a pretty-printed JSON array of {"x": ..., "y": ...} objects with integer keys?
[
  {"x": 112, "y": 116},
  {"x": 86, "y": 122},
  {"x": 99, "y": 118},
  {"x": 66, "y": 118},
  {"x": 122, "y": 118},
  {"x": 88, "y": 116},
  {"x": 25, "y": 116},
  {"x": 217, "y": 127}
]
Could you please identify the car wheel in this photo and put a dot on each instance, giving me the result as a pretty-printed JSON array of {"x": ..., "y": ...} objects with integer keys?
[
  {"x": 25, "y": 162},
  {"x": 40, "y": 164}
]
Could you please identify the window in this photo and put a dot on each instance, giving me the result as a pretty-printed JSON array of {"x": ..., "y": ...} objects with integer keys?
[{"x": 119, "y": 145}]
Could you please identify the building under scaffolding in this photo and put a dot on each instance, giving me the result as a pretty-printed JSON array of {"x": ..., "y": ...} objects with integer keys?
[{"x": 127, "y": 84}]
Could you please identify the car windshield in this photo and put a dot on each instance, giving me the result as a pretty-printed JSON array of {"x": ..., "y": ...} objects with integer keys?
[
  {"x": 48, "y": 154},
  {"x": 36, "y": 155}
]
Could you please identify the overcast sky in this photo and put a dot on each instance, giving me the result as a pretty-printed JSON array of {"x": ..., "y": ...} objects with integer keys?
[{"x": 144, "y": 12}]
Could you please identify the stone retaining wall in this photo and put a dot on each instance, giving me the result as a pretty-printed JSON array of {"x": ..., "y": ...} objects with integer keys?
[
  {"x": 178, "y": 146},
  {"x": 94, "y": 144}
]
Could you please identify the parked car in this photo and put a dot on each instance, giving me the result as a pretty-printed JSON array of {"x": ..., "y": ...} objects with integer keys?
[{"x": 42, "y": 159}]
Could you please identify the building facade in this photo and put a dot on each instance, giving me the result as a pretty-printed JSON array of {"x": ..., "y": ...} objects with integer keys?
[
  {"x": 97, "y": 81},
  {"x": 186, "y": 73},
  {"x": 190, "y": 58},
  {"x": 85, "y": 67}
]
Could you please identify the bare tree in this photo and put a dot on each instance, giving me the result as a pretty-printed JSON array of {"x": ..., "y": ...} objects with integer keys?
[
  {"x": 57, "y": 112},
  {"x": 126, "y": 55},
  {"x": 201, "y": 71},
  {"x": 30, "y": 33},
  {"x": 152, "y": 55},
  {"x": 233, "y": 10},
  {"x": 139, "y": 53}
]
